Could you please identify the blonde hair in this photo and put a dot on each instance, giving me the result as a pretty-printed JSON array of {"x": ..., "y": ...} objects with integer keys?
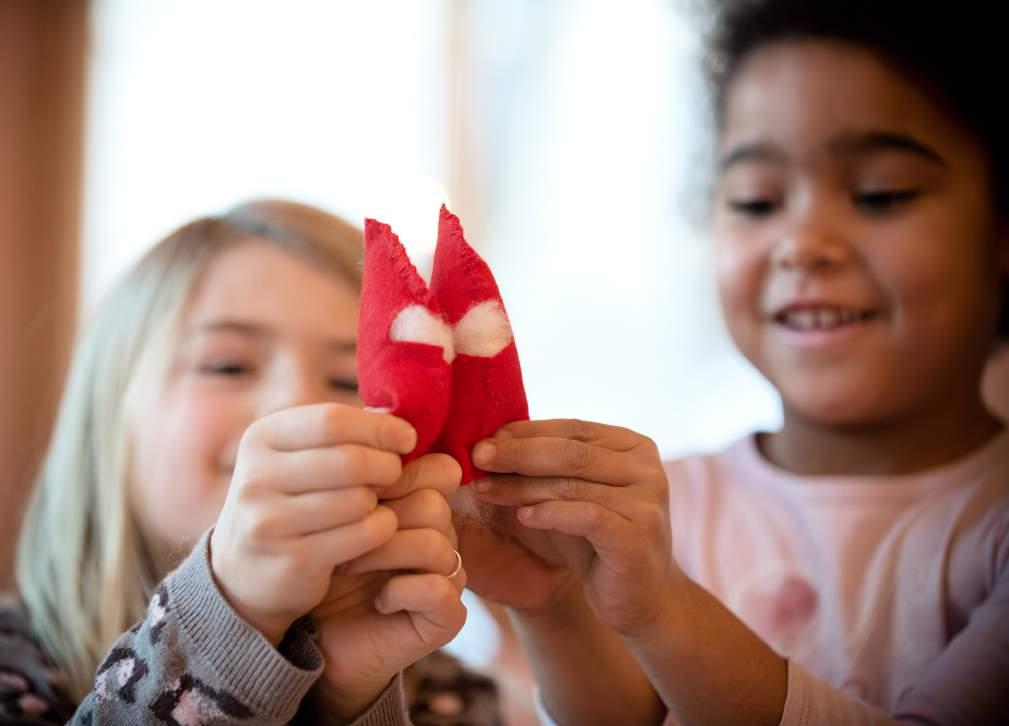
[{"x": 84, "y": 572}]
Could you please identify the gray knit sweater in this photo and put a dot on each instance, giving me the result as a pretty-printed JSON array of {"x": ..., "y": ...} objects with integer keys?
[{"x": 193, "y": 661}]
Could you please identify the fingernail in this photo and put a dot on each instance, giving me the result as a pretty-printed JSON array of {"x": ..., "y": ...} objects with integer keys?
[
  {"x": 482, "y": 485},
  {"x": 378, "y": 604},
  {"x": 503, "y": 434},
  {"x": 484, "y": 453},
  {"x": 525, "y": 513},
  {"x": 407, "y": 440},
  {"x": 377, "y": 409}
]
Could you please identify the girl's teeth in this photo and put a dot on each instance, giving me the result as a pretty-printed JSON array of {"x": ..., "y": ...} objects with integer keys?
[
  {"x": 827, "y": 318},
  {"x": 804, "y": 319},
  {"x": 821, "y": 318}
]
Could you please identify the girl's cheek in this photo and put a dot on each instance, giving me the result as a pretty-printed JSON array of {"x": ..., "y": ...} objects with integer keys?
[
  {"x": 215, "y": 404},
  {"x": 195, "y": 429},
  {"x": 183, "y": 468},
  {"x": 737, "y": 267}
]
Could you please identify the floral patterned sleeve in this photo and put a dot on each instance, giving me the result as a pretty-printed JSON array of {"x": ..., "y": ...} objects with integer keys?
[{"x": 30, "y": 689}]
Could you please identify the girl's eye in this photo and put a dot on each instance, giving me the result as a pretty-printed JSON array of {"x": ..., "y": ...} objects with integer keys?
[
  {"x": 883, "y": 201},
  {"x": 752, "y": 207},
  {"x": 229, "y": 369},
  {"x": 343, "y": 385}
]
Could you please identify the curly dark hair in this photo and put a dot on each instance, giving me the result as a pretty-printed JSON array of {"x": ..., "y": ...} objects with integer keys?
[{"x": 953, "y": 53}]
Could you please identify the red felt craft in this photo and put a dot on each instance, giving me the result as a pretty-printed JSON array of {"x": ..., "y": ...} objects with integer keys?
[
  {"x": 448, "y": 364},
  {"x": 410, "y": 378},
  {"x": 487, "y": 388}
]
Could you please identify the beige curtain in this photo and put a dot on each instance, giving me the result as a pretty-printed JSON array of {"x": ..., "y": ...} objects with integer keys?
[{"x": 42, "y": 59}]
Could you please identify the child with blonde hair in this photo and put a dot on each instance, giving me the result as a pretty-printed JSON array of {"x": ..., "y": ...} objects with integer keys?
[{"x": 213, "y": 483}]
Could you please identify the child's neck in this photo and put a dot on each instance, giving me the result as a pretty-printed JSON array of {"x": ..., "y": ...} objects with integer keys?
[{"x": 913, "y": 443}]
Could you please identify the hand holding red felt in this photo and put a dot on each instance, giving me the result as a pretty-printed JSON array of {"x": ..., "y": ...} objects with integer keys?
[{"x": 442, "y": 358}]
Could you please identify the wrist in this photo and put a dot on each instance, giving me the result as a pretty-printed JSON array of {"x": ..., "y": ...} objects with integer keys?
[
  {"x": 671, "y": 608},
  {"x": 273, "y": 629},
  {"x": 344, "y": 702},
  {"x": 567, "y": 604}
]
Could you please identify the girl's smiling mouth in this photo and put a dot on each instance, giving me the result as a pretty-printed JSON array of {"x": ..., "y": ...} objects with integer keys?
[
  {"x": 821, "y": 316},
  {"x": 819, "y": 324}
]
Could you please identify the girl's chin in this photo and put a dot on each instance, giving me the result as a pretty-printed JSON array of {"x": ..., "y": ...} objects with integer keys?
[{"x": 841, "y": 408}]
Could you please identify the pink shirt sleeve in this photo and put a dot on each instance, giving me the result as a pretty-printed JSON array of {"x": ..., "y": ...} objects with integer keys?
[{"x": 967, "y": 684}]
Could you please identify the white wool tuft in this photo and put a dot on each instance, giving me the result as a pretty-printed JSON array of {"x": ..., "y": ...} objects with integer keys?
[
  {"x": 417, "y": 324},
  {"x": 483, "y": 331}
]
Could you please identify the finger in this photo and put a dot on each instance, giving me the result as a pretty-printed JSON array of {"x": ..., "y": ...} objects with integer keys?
[
  {"x": 557, "y": 457},
  {"x": 427, "y": 550},
  {"x": 606, "y": 531},
  {"x": 433, "y": 471},
  {"x": 426, "y": 509},
  {"x": 588, "y": 432},
  {"x": 429, "y": 594},
  {"x": 342, "y": 544},
  {"x": 347, "y": 465},
  {"x": 517, "y": 491},
  {"x": 328, "y": 424},
  {"x": 318, "y": 511}
]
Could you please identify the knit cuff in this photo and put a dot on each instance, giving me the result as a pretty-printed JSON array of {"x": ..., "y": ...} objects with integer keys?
[
  {"x": 271, "y": 681},
  {"x": 388, "y": 709}
]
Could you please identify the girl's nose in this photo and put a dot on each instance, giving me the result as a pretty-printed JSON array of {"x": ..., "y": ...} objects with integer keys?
[
  {"x": 810, "y": 247},
  {"x": 293, "y": 386}
]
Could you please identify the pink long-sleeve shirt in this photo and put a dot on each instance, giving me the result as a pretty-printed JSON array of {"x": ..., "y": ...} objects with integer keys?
[{"x": 888, "y": 595}]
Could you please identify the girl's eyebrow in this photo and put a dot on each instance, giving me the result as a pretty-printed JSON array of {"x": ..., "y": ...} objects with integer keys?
[
  {"x": 753, "y": 151},
  {"x": 258, "y": 331},
  {"x": 225, "y": 325},
  {"x": 858, "y": 143},
  {"x": 848, "y": 143}
]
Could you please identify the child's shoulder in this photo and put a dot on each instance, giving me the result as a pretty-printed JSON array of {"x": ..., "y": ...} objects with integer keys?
[
  {"x": 715, "y": 464},
  {"x": 711, "y": 483},
  {"x": 969, "y": 497},
  {"x": 30, "y": 687}
]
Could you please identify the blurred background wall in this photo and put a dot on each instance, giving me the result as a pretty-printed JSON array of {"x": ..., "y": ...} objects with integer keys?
[{"x": 42, "y": 69}]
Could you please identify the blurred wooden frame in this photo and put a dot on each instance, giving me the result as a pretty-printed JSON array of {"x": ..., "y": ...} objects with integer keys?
[{"x": 42, "y": 66}]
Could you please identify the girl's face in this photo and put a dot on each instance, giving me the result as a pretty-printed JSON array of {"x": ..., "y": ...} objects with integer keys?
[
  {"x": 858, "y": 246},
  {"x": 263, "y": 330}
]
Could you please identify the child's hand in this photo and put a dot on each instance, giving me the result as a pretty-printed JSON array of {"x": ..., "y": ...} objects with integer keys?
[
  {"x": 521, "y": 568},
  {"x": 396, "y": 604},
  {"x": 301, "y": 503},
  {"x": 605, "y": 489}
]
